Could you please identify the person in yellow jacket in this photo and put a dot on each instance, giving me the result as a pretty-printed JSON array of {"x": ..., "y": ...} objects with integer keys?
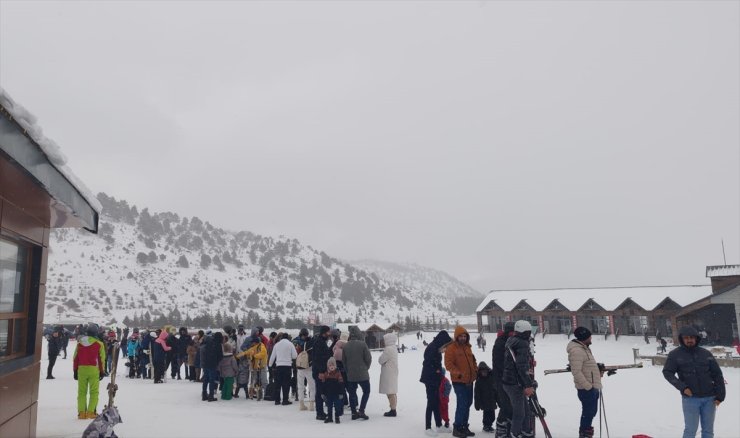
[
  {"x": 463, "y": 369},
  {"x": 256, "y": 352},
  {"x": 89, "y": 368}
]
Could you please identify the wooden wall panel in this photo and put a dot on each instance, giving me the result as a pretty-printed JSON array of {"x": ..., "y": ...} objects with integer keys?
[
  {"x": 18, "y": 221},
  {"x": 16, "y": 392},
  {"x": 19, "y": 426}
]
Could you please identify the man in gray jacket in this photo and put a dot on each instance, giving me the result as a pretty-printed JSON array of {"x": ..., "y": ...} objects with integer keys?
[
  {"x": 587, "y": 377},
  {"x": 357, "y": 360}
]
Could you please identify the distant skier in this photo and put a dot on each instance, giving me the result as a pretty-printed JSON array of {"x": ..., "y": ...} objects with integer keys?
[
  {"x": 700, "y": 382},
  {"x": 88, "y": 365},
  {"x": 587, "y": 377}
]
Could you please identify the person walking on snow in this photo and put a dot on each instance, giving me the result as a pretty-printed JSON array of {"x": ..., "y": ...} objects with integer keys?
[
  {"x": 587, "y": 377},
  {"x": 88, "y": 364},
  {"x": 700, "y": 382},
  {"x": 432, "y": 374},
  {"x": 518, "y": 382},
  {"x": 389, "y": 372},
  {"x": 460, "y": 363}
]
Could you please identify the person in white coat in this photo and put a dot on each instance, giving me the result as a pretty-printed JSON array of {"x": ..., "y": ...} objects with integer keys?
[
  {"x": 389, "y": 372},
  {"x": 283, "y": 355}
]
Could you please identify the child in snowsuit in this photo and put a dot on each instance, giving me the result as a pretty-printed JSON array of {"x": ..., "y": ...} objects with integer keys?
[
  {"x": 242, "y": 377},
  {"x": 445, "y": 387},
  {"x": 485, "y": 396},
  {"x": 89, "y": 368},
  {"x": 228, "y": 369},
  {"x": 333, "y": 392}
]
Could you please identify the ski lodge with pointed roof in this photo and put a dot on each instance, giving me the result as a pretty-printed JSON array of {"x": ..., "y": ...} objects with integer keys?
[{"x": 654, "y": 310}]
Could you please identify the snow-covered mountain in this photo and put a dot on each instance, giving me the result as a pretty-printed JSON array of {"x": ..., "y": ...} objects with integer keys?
[{"x": 157, "y": 267}]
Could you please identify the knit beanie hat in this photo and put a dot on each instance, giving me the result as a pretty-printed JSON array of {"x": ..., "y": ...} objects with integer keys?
[{"x": 582, "y": 333}]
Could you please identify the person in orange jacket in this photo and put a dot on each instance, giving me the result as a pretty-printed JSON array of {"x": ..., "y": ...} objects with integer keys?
[
  {"x": 462, "y": 366},
  {"x": 88, "y": 365}
]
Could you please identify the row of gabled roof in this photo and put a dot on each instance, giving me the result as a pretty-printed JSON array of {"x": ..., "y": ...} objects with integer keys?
[{"x": 609, "y": 299}]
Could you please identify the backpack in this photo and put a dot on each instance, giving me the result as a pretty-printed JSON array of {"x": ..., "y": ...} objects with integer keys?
[{"x": 302, "y": 360}]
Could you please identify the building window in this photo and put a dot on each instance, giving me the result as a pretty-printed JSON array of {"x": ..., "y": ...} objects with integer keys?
[{"x": 15, "y": 262}]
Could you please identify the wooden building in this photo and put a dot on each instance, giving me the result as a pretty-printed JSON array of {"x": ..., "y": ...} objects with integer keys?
[
  {"x": 37, "y": 193},
  {"x": 622, "y": 310},
  {"x": 718, "y": 313}
]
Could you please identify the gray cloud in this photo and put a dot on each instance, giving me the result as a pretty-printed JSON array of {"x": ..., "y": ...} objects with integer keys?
[{"x": 531, "y": 144}]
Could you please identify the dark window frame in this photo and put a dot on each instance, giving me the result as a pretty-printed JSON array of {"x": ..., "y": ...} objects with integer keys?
[{"x": 11, "y": 317}]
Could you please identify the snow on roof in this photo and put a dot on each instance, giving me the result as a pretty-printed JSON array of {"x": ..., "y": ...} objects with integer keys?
[
  {"x": 52, "y": 151},
  {"x": 723, "y": 270},
  {"x": 364, "y": 326},
  {"x": 647, "y": 297}
]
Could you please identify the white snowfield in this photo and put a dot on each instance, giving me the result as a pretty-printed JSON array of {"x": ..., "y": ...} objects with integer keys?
[{"x": 638, "y": 401}]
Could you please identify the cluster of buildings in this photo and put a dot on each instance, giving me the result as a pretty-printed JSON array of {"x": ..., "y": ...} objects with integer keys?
[{"x": 656, "y": 311}]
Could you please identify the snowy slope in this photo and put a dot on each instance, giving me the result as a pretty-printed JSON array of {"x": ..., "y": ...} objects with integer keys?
[
  {"x": 419, "y": 277},
  {"x": 637, "y": 401},
  {"x": 134, "y": 269}
]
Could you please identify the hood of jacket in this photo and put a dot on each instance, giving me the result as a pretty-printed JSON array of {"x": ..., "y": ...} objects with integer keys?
[
  {"x": 460, "y": 330},
  {"x": 355, "y": 334},
  {"x": 390, "y": 339},
  {"x": 443, "y": 338},
  {"x": 688, "y": 331}
]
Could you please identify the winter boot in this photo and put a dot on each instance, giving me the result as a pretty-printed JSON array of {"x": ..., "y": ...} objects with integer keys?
[
  {"x": 391, "y": 413},
  {"x": 430, "y": 432},
  {"x": 444, "y": 429},
  {"x": 82, "y": 415},
  {"x": 302, "y": 406},
  {"x": 321, "y": 417},
  {"x": 49, "y": 377},
  {"x": 466, "y": 429},
  {"x": 361, "y": 415},
  {"x": 459, "y": 432},
  {"x": 355, "y": 415},
  {"x": 311, "y": 406},
  {"x": 286, "y": 402},
  {"x": 336, "y": 419},
  {"x": 586, "y": 433},
  {"x": 92, "y": 415},
  {"x": 488, "y": 429}
]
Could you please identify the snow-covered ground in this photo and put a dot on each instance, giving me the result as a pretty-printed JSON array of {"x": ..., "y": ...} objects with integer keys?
[{"x": 636, "y": 400}]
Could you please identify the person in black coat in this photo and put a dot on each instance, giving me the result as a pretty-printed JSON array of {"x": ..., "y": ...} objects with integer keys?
[
  {"x": 55, "y": 345},
  {"x": 182, "y": 352},
  {"x": 320, "y": 354},
  {"x": 485, "y": 396},
  {"x": 699, "y": 381},
  {"x": 431, "y": 376},
  {"x": 211, "y": 354},
  {"x": 498, "y": 354},
  {"x": 517, "y": 380}
]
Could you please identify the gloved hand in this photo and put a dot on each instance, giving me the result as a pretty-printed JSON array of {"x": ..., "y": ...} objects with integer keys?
[
  {"x": 75, "y": 371},
  {"x": 100, "y": 375}
]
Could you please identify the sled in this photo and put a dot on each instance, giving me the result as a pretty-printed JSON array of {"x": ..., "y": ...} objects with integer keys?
[{"x": 609, "y": 369}]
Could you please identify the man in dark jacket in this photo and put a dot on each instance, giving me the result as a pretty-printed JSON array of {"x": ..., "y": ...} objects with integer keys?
[
  {"x": 357, "y": 359},
  {"x": 320, "y": 353},
  {"x": 518, "y": 382},
  {"x": 211, "y": 355},
  {"x": 55, "y": 344},
  {"x": 182, "y": 352},
  {"x": 431, "y": 377},
  {"x": 699, "y": 380},
  {"x": 485, "y": 396},
  {"x": 503, "y": 422}
]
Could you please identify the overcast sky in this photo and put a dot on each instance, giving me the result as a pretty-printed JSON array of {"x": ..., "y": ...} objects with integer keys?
[{"x": 511, "y": 144}]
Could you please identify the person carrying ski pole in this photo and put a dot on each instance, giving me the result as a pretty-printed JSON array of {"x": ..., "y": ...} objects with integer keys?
[
  {"x": 587, "y": 378},
  {"x": 499, "y": 353},
  {"x": 88, "y": 365},
  {"x": 518, "y": 383}
]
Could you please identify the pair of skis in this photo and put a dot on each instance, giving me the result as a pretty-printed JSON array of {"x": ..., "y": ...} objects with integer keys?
[{"x": 609, "y": 369}]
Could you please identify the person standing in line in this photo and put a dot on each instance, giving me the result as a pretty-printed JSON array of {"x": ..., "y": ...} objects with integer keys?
[
  {"x": 460, "y": 363},
  {"x": 182, "y": 352},
  {"x": 587, "y": 378},
  {"x": 517, "y": 379},
  {"x": 319, "y": 358},
  {"x": 389, "y": 372},
  {"x": 699, "y": 381},
  {"x": 357, "y": 359},
  {"x": 333, "y": 391},
  {"x": 88, "y": 365},
  {"x": 498, "y": 355},
  {"x": 283, "y": 354},
  {"x": 228, "y": 369},
  {"x": 211, "y": 355},
  {"x": 65, "y": 341},
  {"x": 485, "y": 396},
  {"x": 303, "y": 371},
  {"x": 432, "y": 374}
]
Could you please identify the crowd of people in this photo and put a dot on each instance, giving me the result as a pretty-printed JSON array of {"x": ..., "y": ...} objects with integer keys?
[{"x": 323, "y": 373}]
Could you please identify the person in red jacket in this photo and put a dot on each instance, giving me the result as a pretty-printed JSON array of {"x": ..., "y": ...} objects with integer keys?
[{"x": 89, "y": 368}]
